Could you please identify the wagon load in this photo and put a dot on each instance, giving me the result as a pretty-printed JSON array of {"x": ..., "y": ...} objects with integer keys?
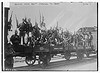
[
  {"x": 90, "y": 40},
  {"x": 41, "y": 48}
]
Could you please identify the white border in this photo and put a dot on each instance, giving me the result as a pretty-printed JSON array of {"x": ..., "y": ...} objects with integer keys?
[
  {"x": 58, "y": 1},
  {"x": 50, "y": 0}
]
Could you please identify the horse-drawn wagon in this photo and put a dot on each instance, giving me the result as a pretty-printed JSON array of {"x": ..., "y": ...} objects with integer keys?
[{"x": 75, "y": 45}]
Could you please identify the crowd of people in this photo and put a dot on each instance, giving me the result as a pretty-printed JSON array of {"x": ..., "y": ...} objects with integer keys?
[{"x": 37, "y": 36}]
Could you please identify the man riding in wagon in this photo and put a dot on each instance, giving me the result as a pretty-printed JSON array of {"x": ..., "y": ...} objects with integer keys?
[{"x": 16, "y": 40}]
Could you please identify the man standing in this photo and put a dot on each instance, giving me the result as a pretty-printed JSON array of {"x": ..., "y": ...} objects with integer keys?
[
  {"x": 15, "y": 39},
  {"x": 90, "y": 39},
  {"x": 36, "y": 33}
]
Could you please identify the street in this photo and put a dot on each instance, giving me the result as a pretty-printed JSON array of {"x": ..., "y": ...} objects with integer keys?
[{"x": 59, "y": 63}]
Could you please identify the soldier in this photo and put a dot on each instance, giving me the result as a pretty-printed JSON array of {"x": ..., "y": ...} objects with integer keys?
[
  {"x": 36, "y": 33},
  {"x": 9, "y": 57},
  {"x": 22, "y": 31},
  {"x": 80, "y": 41},
  {"x": 90, "y": 39},
  {"x": 15, "y": 39},
  {"x": 30, "y": 40},
  {"x": 29, "y": 25}
]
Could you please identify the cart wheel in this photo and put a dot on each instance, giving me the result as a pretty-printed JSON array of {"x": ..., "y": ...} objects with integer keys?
[
  {"x": 67, "y": 55},
  {"x": 30, "y": 60},
  {"x": 52, "y": 55},
  {"x": 47, "y": 60},
  {"x": 44, "y": 60},
  {"x": 9, "y": 61},
  {"x": 42, "y": 63},
  {"x": 80, "y": 56},
  {"x": 87, "y": 54}
]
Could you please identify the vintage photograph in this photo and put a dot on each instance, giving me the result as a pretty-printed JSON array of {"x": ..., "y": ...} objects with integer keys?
[{"x": 50, "y": 36}]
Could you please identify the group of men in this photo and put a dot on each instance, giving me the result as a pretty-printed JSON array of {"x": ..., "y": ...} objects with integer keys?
[
  {"x": 85, "y": 38},
  {"x": 46, "y": 36}
]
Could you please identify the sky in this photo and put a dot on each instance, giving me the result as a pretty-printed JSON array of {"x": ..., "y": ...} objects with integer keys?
[{"x": 69, "y": 15}]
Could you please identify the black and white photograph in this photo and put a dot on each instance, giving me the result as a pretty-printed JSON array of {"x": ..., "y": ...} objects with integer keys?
[{"x": 50, "y": 36}]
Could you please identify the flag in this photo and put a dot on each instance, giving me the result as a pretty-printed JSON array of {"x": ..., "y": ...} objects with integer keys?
[
  {"x": 10, "y": 20},
  {"x": 42, "y": 23},
  {"x": 40, "y": 18},
  {"x": 17, "y": 21}
]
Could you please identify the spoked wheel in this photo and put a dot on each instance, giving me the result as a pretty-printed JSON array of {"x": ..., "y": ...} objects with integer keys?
[
  {"x": 44, "y": 60},
  {"x": 9, "y": 61},
  {"x": 48, "y": 61},
  {"x": 80, "y": 55},
  {"x": 30, "y": 60},
  {"x": 42, "y": 63},
  {"x": 67, "y": 55},
  {"x": 87, "y": 54},
  {"x": 52, "y": 55}
]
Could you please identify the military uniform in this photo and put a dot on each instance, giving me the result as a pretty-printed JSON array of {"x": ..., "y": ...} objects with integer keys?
[
  {"x": 15, "y": 39},
  {"x": 37, "y": 34},
  {"x": 90, "y": 39}
]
